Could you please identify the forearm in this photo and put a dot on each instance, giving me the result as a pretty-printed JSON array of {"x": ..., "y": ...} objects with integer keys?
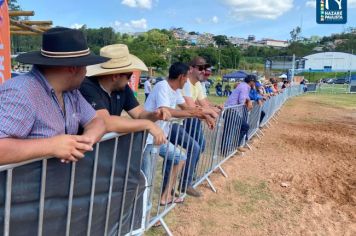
[
  {"x": 18, "y": 150},
  {"x": 186, "y": 112},
  {"x": 205, "y": 103},
  {"x": 147, "y": 115},
  {"x": 125, "y": 125},
  {"x": 95, "y": 129}
]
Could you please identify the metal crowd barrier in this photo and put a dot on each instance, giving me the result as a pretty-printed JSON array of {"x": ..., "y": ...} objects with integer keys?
[
  {"x": 106, "y": 193},
  {"x": 102, "y": 194}
]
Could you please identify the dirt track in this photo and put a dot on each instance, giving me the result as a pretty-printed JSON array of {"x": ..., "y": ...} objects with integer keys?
[{"x": 300, "y": 179}]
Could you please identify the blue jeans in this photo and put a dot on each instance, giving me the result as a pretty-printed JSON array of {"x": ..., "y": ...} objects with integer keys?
[
  {"x": 193, "y": 150},
  {"x": 235, "y": 129},
  {"x": 194, "y": 128},
  {"x": 149, "y": 163}
]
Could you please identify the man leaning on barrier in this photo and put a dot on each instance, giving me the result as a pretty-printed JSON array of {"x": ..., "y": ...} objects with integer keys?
[
  {"x": 194, "y": 95},
  {"x": 167, "y": 94},
  {"x": 108, "y": 92},
  {"x": 41, "y": 111},
  {"x": 240, "y": 95}
]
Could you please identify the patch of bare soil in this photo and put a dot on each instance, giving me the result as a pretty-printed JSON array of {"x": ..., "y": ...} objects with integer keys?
[{"x": 300, "y": 179}]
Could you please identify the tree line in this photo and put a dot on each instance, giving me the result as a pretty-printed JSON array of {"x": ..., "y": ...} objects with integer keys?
[{"x": 158, "y": 48}]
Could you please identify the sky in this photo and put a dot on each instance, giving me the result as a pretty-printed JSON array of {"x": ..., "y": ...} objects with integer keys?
[{"x": 262, "y": 18}]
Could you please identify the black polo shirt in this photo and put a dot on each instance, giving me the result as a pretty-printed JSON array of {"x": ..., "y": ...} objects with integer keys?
[{"x": 114, "y": 103}]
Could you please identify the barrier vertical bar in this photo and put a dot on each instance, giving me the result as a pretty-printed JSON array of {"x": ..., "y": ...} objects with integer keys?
[
  {"x": 70, "y": 198},
  {"x": 42, "y": 196},
  {"x": 93, "y": 188},
  {"x": 125, "y": 185},
  {"x": 8, "y": 203},
  {"x": 112, "y": 174}
]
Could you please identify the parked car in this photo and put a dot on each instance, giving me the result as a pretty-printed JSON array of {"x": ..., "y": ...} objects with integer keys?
[
  {"x": 230, "y": 80},
  {"x": 143, "y": 79},
  {"x": 340, "y": 81},
  {"x": 158, "y": 79},
  {"x": 326, "y": 80},
  {"x": 15, "y": 73}
]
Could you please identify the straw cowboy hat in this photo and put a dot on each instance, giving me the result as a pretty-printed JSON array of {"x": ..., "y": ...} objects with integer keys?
[
  {"x": 121, "y": 61},
  {"x": 62, "y": 47}
]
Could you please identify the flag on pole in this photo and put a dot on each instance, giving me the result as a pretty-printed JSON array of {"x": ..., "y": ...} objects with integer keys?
[{"x": 5, "y": 55}]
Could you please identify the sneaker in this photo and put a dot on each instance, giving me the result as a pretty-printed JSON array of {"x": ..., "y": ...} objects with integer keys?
[
  {"x": 242, "y": 149},
  {"x": 193, "y": 192}
]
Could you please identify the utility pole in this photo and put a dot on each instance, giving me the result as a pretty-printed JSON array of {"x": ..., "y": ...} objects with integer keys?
[
  {"x": 352, "y": 52},
  {"x": 293, "y": 67},
  {"x": 219, "y": 61}
]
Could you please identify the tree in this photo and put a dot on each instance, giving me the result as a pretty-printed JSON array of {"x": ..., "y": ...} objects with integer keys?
[
  {"x": 221, "y": 40},
  {"x": 294, "y": 34}
]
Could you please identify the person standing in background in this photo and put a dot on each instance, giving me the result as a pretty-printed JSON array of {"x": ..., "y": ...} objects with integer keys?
[{"x": 147, "y": 87}]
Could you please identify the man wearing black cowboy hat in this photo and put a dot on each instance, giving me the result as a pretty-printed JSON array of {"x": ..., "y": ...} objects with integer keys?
[{"x": 42, "y": 110}]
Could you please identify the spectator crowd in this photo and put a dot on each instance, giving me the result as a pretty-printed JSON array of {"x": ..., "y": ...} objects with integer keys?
[{"x": 71, "y": 98}]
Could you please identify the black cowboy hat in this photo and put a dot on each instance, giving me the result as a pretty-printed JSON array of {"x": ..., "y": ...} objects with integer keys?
[{"x": 62, "y": 47}]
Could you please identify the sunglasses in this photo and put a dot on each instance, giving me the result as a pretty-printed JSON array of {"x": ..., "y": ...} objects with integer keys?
[
  {"x": 200, "y": 68},
  {"x": 128, "y": 74}
]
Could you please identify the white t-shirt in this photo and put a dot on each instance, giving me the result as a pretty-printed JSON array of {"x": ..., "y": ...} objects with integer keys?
[
  {"x": 162, "y": 95},
  {"x": 147, "y": 86}
]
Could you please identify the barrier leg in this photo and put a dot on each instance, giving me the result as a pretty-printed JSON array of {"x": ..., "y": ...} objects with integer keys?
[
  {"x": 211, "y": 185},
  {"x": 262, "y": 134},
  {"x": 259, "y": 136},
  {"x": 165, "y": 227},
  {"x": 222, "y": 171},
  {"x": 249, "y": 146}
]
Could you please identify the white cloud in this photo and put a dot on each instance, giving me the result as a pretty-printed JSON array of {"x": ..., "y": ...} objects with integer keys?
[
  {"x": 76, "y": 26},
  {"x": 171, "y": 12},
  {"x": 266, "y": 9},
  {"x": 351, "y": 3},
  {"x": 199, "y": 20},
  {"x": 147, "y": 4},
  {"x": 312, "y": 3},
  {"x": 215, "y": 19},
  {"x": 132, "y": 26}
]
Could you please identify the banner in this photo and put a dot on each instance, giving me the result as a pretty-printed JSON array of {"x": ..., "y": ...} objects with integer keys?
[
  {"x": 5, "y": 56},
  {"x": 134, "y": 81}
]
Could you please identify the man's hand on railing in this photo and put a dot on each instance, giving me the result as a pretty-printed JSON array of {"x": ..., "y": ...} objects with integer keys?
[
  {"x": 158, "y": 134},
  {"x": 249, "y": 105},
  {"x": 218, "y": 108},
  {"x": 211, "y": 122},
  {"x": 210, "y": 111},
  {"x": 70, "y": 147},
  {"x": 260, "y": 102},
  {"x": 206, "y": 114},
  {"x": 162, "y": 114}
]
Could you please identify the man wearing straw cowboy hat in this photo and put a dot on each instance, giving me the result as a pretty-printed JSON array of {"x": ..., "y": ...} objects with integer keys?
[
  {"x": 108, "y": 92},
  {"x": 41, "y": 111}
]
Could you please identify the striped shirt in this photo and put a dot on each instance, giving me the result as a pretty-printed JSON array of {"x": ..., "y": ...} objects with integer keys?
[{"x": 29, "y": 108}]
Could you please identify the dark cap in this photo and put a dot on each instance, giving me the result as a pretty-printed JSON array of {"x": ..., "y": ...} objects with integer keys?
[
  {"x": 199, "y": 61},
  {"x": 250, "y": 78}
]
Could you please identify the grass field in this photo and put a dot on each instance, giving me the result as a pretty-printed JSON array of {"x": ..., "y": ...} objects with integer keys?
[{"x": 347, "y": 101}]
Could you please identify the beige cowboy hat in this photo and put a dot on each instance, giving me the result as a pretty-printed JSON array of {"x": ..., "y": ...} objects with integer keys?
[{"x": 121, "y": 61}]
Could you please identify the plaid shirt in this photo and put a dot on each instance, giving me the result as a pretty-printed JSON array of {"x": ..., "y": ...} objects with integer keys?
[
  {"x": 29, "y": 108},
  {"x": 239, "y": 95}
]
